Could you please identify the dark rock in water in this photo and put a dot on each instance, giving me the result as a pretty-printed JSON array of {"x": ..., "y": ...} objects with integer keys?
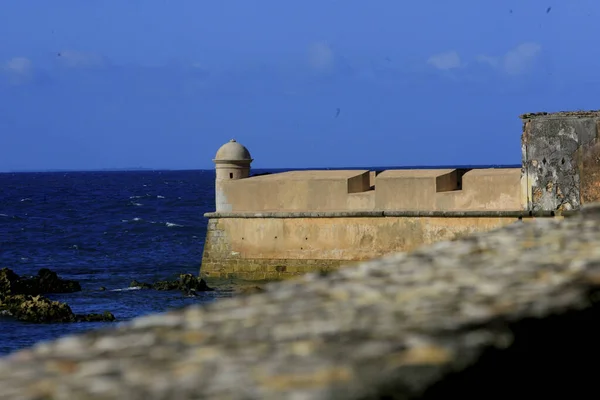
[
  {"x": 8, "y": 280},
  {"x": 40, "y": 309},
  {"x": 102, "y": 288},
  {"x": 36, "y": 309},
  {"x": 104, "y": 317},
  {"x": 46, "y": 281},
  {"x": 165, "y": 285},
  {"x": 21, "y": 298},
  {"x": 186, "y": 283},
  {"x": 49, "y": 282},
  {"x": 191, "y": 282},
  {"x": 141, "y": 285}
]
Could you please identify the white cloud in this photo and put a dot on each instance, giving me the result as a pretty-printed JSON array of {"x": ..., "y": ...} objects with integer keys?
[
  {"x": 320, "y": 56},
  {"x": 516, "y": 61},
  {"x": 491, "y": 61},
  {"x": 19, "y": 65},
  {"x": 445, "y": 61},
  {"x": 18, "y": 69},
  {"x": 520, "y": 59},
  {"x": 71, "y": 58}
]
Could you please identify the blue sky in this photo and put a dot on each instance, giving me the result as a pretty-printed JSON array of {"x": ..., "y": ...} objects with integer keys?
[{"x": 157, "y": 84}]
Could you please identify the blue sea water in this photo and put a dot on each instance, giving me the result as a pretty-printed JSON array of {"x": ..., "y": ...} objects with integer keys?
[{"x": 105, "y": 229}]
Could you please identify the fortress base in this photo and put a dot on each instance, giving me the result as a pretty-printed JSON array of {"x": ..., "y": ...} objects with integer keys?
[{"x": 284, "y": 245}]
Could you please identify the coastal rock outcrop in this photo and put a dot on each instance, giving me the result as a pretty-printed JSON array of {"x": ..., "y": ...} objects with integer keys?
[
  {"x": 186, "y": 283},
  {"x": 511, "y": 311},
  {"x": 36, "y": 309},
  {"x": 22, "y": 297},
  {"x": 46, "y": 281}
]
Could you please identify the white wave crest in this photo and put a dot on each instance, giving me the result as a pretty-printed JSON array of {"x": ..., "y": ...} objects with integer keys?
[
  {"x": 171, "y": 225},
  {"x": 127, "y": 289},
  {"x": 136, "y": 219}
]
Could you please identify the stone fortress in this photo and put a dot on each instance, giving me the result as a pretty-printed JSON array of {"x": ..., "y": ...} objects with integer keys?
[{"x": 285, "y": 224}]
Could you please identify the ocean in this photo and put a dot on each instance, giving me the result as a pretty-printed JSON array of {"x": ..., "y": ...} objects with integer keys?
[{"x": 105, "y": 229}]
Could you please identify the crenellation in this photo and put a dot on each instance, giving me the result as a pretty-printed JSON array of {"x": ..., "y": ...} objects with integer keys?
[
  {"x": 450, "y": 182},
  {"x": 279, "y": 225}
]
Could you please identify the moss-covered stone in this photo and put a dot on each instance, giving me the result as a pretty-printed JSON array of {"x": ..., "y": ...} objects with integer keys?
[
  {"x": 39, "y": 309},
  {"x": 104, "y": 317}
]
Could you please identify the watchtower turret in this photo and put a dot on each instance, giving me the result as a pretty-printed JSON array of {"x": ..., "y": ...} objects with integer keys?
[{"x": 232, "y": 162}]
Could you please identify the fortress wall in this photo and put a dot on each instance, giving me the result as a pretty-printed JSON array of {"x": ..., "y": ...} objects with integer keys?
[
  {"x": 485, "y": 189},
  {"x": 449, "y": 189},
  {"x": 296, "y": 190},
  {"x": 436, "y": 189},
  {"x": 407, "y": 189},
  {"x": 361, "y": 201},
  {"x": 560, "y": 159},
  {"x": 280, "y": 225},
  {"x": 277, "y": 246}
]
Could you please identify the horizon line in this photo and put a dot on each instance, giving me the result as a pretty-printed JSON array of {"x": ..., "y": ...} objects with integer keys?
[{"x": 145, "y": 169}]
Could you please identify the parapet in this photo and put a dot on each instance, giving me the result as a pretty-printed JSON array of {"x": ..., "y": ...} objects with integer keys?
[
  {"x": 352, "y": 190},
  {"x": 560, "y": 171},
  {"x": 295, "y": 190},
  {"x": 449, "y": 189}
]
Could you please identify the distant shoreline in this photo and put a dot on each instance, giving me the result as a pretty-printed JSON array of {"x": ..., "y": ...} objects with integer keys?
[{"x": 371, "y": 168}]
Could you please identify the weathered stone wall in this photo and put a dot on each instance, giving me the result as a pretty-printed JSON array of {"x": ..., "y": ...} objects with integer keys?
[
  {"x": 349, "y": 190},
  {"x": 222, "y": 259},
  {"x": 560, "y": 159},
  {"x": 560, "y": 172},
  {"x": 281, "y": 245},
  {"x": 509, "y": 312}
]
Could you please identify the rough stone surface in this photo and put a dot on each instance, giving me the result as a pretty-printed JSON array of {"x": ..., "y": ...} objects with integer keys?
[
  {"x": 557, "y": 164},
  {"x": 563, "y": 114},
  {"x": 267, "y": 248},
  {"x": 511, "y": 311},
  {"x": 590, "y": 175},
  {"x": 265, "y": 269}
]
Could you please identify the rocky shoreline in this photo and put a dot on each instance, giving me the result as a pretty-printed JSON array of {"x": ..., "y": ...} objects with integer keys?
[
  {"x": 511, "y": 311},
  {"x": 186, "y": 283},
  {"x": 23, "y": 297}
]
